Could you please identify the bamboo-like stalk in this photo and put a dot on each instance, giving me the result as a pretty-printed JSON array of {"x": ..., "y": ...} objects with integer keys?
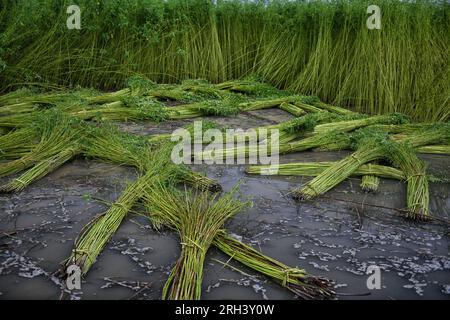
[
  {"x": 17, "y": 120},
  {"x": 198, "y": 219},
  {"x": 203, "y": 88},
  {"x": 370, "y": 182},
  {"x": 249, "y": 86},
  {"x": 109, "y": 144},
  {"x": 288, "y": 131},
  {"x": 109, "y": 97},
  {"x": 266, "y": 103},
  {"x": 308, "y": 108},
  {"x": 18, "y": 108},
  {"x": 128, "y": 109},
  {"x": 155, "y": 166},
  {"x": 224, "y": 107},
  {"x": 313, "y": 169},
  {"x": 315, "y": 141},
  {"x": 439, "y": 133},
  {"x": 371, "y": 147},
  {"x": 417, "y": 194},
  {"x": 17, "y": 143}
]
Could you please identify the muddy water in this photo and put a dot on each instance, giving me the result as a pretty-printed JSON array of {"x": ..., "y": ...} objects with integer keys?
[{"x": 330, "y": 236}]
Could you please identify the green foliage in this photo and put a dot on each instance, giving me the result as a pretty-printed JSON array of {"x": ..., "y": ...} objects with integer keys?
[{"x": 307, "y": 122}]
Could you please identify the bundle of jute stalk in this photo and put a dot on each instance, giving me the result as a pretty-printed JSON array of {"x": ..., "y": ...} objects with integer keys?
[
  {"x": 287, "y": 132},
  {"x": 434, "y": 149},
  {"x": 202, "y": 88},
  {"x": 42, "y": 168},
  {"x": 99, "y": 231},
  {"x": 108, "y": 143},
  {"x": 21, "y": 108},
  {"x": 134, "y": 86},
  {"x": 352, "y": 124},
  {"x": 297, "y": 280},
  {"x": 312, "y": 169},
  {"x": 419, "y": 134},
  {"x": 198, "y": 218},
  {"x": 189, "y": 90},
  {"x": 139, "y": 86},
  {"x": 369, "y": 145},
  {"x": 439, "y": 133},
  {"x": 266, "y": 103},
  {"x": 337, "y": 145},
  {"x": 316, "y": 141},
  {"x": 224, "y": 107},
  {"x": 17, "y": 143},
  {"x": 402, "y": 155},
  {"x": 294, "y": 104},
  {"x": 164, "y": 137},
  {"x": 299, "y": 102},
  {"x": 405, "y": 128},
  {"x": 18, "y": 108},
  {"x": 250, "y": 86},
  {"x": 17, "y": 120},
  {"x": 16, "y": 96},
  {"x": 305, "y": 123},
  {"x": 302, "y": 126},
  {"x": 109, "y": 97},
  {"x": 164, "y": 212},
  {"x": 27, "y": 100},
  {"x": 128, "y": 109},
  {"x": 200, "y": 181},
  {"x": 157, "y": 165},
  {"x": 291, "y": 129},
  {"x": 292, "y": 109},
  {"x": 370, "y": 183},
  {"x": 315, "y": 101},
  {"x": 57, "y": 131}
]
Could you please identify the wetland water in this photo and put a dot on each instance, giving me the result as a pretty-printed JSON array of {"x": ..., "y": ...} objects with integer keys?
[{"x": 329, "y": 236}]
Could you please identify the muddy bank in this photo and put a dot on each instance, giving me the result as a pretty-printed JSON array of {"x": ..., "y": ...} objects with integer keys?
[{"x": 329, "y": 236}]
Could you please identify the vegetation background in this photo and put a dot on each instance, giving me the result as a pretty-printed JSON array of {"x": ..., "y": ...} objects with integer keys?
[{"x": 318, "y": 48}]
